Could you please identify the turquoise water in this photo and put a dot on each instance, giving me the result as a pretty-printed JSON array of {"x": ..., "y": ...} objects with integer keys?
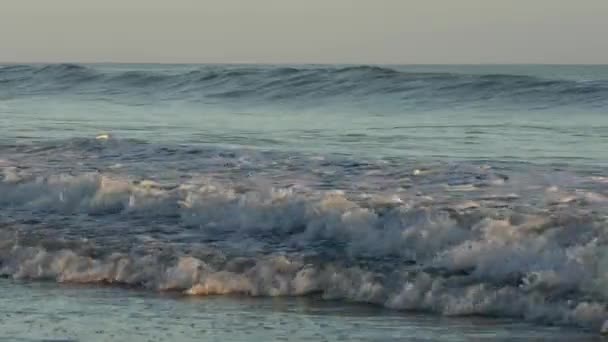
[{"x": 305, "y": 202}]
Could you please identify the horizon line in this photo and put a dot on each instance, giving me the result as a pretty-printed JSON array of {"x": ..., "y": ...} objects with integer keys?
[{"x": 300, "y": 63}]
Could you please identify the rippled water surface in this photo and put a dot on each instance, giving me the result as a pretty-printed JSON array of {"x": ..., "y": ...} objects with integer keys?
[
  {"x": 45, "y": 312},
  {"x": 275, "y": 195}
]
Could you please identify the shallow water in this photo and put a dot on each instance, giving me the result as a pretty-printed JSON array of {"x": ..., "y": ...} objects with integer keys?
[
  {"x": 453, "y": 191},
  {"x": 47, "y": 312}
]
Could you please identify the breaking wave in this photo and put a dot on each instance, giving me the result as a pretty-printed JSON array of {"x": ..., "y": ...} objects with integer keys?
[{"x": 475, "y": 242}]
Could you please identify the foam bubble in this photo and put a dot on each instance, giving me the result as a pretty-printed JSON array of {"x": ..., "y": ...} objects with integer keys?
[{"x": 486, "y": 252}]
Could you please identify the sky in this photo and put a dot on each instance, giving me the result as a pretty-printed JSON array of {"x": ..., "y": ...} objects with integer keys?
[{"x": 305, "y": 31}]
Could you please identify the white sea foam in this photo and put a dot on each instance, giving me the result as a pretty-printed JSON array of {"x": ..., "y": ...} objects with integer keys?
[{"x": 497, "y": 254}]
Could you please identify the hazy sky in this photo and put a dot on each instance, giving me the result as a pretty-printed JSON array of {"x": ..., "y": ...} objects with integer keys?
[{"x": 305, "y": 31}]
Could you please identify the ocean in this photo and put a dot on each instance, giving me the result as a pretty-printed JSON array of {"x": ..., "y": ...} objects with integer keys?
[{"x": 303, "y": 202}]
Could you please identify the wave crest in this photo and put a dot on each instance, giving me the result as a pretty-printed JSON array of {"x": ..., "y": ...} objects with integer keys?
[
  {"x": 497, "y": 256},
  {"x": 297, "y": 83}
]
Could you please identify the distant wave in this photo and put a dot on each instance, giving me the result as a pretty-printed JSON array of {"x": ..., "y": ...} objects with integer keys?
[{"x": 265, "y": 83}]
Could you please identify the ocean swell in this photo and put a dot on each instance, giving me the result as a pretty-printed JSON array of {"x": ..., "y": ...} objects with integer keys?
[{"x": 294, "y": 84}]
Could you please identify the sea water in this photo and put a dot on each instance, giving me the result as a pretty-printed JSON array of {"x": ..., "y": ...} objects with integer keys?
[{"x": 304, "y": 202}]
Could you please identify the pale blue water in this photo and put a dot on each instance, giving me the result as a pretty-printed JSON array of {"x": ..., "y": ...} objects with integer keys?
[
  {"x": 45, "y": 312},
  {"x": 522, "y": 113},
  {"x": 448, "y": 190}
]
